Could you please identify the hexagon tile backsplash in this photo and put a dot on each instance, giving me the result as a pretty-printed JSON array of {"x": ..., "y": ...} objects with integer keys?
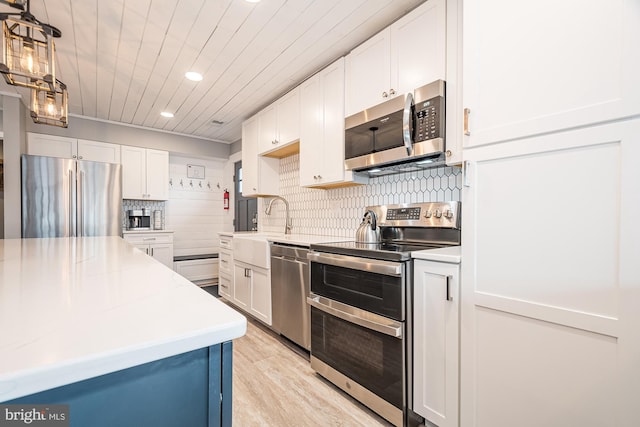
[{"x": 338, "y": 212}]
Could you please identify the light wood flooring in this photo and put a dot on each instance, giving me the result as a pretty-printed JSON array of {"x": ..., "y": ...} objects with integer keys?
[{"x": 273, "y": 385}]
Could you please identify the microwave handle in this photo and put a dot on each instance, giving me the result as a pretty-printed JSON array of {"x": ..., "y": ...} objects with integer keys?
[{"x": 407, "y": 117}]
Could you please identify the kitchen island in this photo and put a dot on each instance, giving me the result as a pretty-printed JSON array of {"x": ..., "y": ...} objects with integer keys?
[{"x": 97, "y": 324}]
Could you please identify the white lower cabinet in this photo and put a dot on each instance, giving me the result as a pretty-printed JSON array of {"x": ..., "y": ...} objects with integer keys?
[
  {"x": 436, "y": 322},
  {"x": 156, "y": 245},
  {"x": 252, "y": 290}
]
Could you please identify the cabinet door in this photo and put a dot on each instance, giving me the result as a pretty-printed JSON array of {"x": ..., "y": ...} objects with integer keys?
[
  {"x": 550, "y": 262},
  {"x": 250, "y": 157},
  {"x": 435, "y": 346},
  {"x": 242, "y": 286},
  {"x": 163, "y": 253},
  {"x": 311, "y": 132},
  {"x": 332, "y": 87},
  {"x": 51, "y": 146},
  {"x": 267, "y": 129},
  {"x": 157, "y": 174},
  {"x": 289, "y": 117},
  {"x": 134, "y": 178},
  {"x": 368, "y": 74},
  {"x": 545, "y": 69},
  {"x": 98, "y": 151},
  {"x": 260, "y": 174},
  {"x": 418, "y": 47},
  {"x": 261, "y": 294}
]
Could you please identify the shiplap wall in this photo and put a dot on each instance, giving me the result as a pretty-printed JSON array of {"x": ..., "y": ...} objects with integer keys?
[{"x": 194, "y": 210}]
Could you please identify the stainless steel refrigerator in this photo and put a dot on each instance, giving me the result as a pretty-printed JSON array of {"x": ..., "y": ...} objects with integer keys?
[{"x": 68, "y": 198}]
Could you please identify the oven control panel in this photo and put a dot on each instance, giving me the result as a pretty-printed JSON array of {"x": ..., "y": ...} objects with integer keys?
[{"x": 430, "y": 214}]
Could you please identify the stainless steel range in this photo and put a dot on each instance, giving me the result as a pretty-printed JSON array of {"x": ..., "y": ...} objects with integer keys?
[{"x": 361, "y": 304}]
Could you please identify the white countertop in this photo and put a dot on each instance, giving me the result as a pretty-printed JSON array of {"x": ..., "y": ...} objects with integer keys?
[
  {"x": 450, "y": 254},
  {"x": 76, "y": 308},
  {"x": 293, "y": 239}
]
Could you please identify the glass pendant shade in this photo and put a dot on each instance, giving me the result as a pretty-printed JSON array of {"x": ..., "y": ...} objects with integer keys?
[
  {"x": 27, "y": 54},
  {"x": 50, "y": 107}
]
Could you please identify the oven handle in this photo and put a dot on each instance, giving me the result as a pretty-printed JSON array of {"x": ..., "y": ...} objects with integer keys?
[
  {"x": 387, "y": 268},
  {"x": 359, "y": 317}
]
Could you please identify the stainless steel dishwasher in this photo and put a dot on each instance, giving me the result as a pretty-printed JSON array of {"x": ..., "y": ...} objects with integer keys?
[{"x": 289, "y": 291}]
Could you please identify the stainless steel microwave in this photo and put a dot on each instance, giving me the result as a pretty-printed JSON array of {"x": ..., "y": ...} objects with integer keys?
[{"x": 407, "y": 130}]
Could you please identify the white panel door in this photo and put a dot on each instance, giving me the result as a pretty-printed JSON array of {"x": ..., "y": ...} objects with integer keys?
[
  {"x": 163, "y": 253},
  {"x": 418, "y": 47},
  {"x": 548, "y": 66},
  {"x": 551, "y": 280},
  {"x": 242, "y": 286},
  {"x": 96, "y": 151},
  {"x": 332, "y": 84},
  {"x": 268, "y": 129},
  {"x": 51, "y": 146},
  {"x": 261, "y": 294},
  {"x": 289, "y": 117},
  {"x": 311, "y": 131},
  {"x": 250, "y": 157},
  {"x": 134, "y": 179},
  {"x": 436, "y": 332},
  {"x": 157, "y": 174},
  {"x": 368, "y": 74}
]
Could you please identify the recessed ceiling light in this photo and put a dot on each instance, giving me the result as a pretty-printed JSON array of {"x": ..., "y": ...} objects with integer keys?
[
  {"x": 193, "y": 76},
  {"x": 252, "y": 1},
  {"x": 166, "y": 114}
]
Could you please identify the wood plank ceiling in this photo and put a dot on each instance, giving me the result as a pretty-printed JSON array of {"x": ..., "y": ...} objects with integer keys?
[{"x": 124, "y": 61}]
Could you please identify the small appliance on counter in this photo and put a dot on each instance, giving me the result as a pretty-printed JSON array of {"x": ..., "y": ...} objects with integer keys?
[{"x": 139, "y": 219}]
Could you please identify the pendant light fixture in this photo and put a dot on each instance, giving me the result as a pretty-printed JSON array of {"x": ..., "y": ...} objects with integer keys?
[
  {"x": 50, "y": 107},
  {"x": 27, "y": 49},
  {"x": 28, "y": 60}
]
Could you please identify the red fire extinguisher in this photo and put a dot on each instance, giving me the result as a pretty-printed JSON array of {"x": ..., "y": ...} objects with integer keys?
[{"x": 226, "y": 199}]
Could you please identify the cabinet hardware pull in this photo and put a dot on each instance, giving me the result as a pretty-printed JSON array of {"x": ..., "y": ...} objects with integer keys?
[
  {"x": 384, "y": 94},
  {"x": 467, "y": 111},
  {"x": 392, "y": 92},
  {"x": 146, "y": 239},
  {"x": 151, "y": 251},
  {"x": 466, "y": 180},
  {"x": 448, "y": 280}
]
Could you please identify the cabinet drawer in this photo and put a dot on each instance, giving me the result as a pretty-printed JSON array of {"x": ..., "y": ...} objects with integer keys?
[
  {"x": 226, "y": 242},
  {"x": 224, "y": 285},
  {"x": 149, "y": 238},
  {"x": 226, "y": 260}
]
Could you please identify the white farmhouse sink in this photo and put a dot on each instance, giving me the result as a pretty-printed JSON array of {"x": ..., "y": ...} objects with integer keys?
[{"x": 253, "y": 250}]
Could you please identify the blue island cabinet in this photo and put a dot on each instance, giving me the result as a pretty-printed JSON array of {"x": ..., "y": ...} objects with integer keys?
[{"x": 190, "y": 389}]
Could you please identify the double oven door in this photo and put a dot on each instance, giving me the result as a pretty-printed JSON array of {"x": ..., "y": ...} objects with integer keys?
[{"x": 358, "y": 328}]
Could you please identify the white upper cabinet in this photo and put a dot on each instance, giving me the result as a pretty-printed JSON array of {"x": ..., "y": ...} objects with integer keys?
[
  {"x": 259, "y": 174},
  {"x": 558, "y": 65},
  {"x": 368, "y": 73},
  {"x": 279, "y": 123},
  {"x": 322, "y": 129},
  {"x": 71, "y": 148},
  {"x": 408, "y": 54},
  {"x": 145, "y": 173}
]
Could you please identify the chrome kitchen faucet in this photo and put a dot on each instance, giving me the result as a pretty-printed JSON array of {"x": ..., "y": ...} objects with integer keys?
[{"x": 287, "y": 226}]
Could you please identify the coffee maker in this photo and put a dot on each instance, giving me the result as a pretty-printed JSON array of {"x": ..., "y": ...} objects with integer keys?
[{"x": 139, "y": 219}]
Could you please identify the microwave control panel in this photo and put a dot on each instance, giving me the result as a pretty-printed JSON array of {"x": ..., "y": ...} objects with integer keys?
[{"x": 429, "y": 116}]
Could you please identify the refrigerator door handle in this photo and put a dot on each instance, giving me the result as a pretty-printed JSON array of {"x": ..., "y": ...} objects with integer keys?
[
  {"x": 80, "y": 203},
  {"x": 72, "y": 204}
]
